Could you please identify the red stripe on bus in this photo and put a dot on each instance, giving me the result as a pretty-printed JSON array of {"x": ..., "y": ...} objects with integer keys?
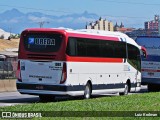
[
  {"x": 91, "y": 59},
  {"x": 93, "y": 36},
  {"x": 150, "y": 70}
]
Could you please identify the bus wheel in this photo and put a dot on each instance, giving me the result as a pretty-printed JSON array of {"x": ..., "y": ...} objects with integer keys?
[
  {"x": 44, "y": 98},
  {"x": 126, "y": 90},
  {"x": 87, "y": 91}
]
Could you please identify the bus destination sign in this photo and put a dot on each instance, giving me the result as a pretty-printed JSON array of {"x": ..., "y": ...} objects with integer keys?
[{"x": 41, "y": 41}]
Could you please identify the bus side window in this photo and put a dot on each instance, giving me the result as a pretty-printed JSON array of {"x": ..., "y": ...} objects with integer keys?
[
  {"x": 134, "y": 56},
  {"x": 71, "y": 47}
]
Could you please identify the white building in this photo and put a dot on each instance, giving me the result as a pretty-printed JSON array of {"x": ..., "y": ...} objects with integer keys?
[{"x": 101, "y": 25}]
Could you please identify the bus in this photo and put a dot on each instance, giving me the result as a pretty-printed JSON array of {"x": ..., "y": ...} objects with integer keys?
[
  {"x": 58, "y": 62},
  {"x": 151, "y": 64}
]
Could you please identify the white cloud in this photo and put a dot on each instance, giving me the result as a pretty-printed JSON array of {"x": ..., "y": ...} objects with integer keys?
[
  {"x": 83, "y": 20},
  {"x": 75, "y": 20},
  {"x": 14, "y": 20},
  {"x": 127, "y": 22},
  {"x": 38, "y": 19},
  {"x": 63, "y": 20}
]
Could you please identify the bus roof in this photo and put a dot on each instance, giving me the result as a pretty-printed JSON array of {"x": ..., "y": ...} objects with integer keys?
[{"x": 119, "y": 35}]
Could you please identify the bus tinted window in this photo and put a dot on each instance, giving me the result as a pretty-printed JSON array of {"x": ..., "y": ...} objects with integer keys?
[
  {"x": 71, "y": 50},
  {"x": 120, "y": 49},
  {"x": 134, "y": 56},
  {"x": 81, "y": 47},
  {"x": 42, "y": 42},
  {"x": 93, "y": 48},
  {"x": 107, "y": 49},
  {"x": 96, "y": 48}
]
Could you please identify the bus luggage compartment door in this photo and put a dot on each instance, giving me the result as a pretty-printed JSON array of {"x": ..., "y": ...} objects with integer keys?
[{"x": 41, "y": 71}]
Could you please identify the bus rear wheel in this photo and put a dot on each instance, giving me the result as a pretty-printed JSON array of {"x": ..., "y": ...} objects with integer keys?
[
  {"x": 87, "y": 91},
  {"x": 44, "y": 98}
]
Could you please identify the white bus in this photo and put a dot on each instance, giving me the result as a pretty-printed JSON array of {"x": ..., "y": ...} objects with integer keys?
[
  {"x": 77, "y": 62},
  {"x": 151, "y": 65}
]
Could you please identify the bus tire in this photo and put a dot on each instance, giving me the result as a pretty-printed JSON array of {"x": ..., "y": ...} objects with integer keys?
[
  {"x": 126, "y": 90},
  {"x": 87, "y": 91},
  {"x": 44, "y": 98}
]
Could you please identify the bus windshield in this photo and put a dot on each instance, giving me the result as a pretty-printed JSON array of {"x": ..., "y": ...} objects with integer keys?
[{"x": 40, "y": 42}]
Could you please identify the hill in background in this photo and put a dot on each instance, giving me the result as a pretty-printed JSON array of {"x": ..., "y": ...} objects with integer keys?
[
  {"x": 15, "y": 21},
  {"x": 8, "y": 44}
]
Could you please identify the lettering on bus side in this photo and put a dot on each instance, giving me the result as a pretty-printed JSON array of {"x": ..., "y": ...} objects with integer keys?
[{"x": 57, "y": 64}]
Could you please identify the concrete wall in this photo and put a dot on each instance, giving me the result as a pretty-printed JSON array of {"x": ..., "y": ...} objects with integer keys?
[{"x": 8, "y": 85}]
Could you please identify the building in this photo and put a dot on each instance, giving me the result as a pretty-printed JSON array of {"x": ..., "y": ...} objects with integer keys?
[
  {"x": 101, "y": 25},
  {"x": 122, "y": 29},
  {"x": 151, "y": 28},
  {"x": 152, "y": 25}
]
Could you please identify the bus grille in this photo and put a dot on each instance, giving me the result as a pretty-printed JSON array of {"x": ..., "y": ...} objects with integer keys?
[{"x": 41, "y": 56}]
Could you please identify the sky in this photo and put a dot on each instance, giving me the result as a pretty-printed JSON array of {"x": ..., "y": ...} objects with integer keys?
[{"x": 120, "y": 10}]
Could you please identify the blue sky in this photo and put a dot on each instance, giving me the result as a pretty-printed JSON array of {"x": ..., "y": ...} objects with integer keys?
[{"x": 120, "y": 10}]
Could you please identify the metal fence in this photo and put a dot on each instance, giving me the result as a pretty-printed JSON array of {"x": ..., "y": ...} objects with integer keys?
[{"x": 8, "y": 69}]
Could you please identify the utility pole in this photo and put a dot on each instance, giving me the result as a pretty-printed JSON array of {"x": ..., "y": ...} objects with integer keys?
[{"x": 42, "y": 23}]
